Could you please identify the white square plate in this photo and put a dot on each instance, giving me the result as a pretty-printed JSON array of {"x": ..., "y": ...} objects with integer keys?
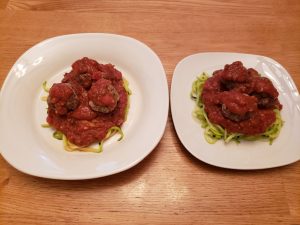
[
  {"x": 246, "y": 155},
  {"x": 32, "y": 149}
]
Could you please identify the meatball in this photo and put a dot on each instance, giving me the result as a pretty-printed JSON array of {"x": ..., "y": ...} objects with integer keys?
[
  {"x": 109, "y": 72},
  {"x": 235, "y": 72},
  {"x": 265, "y": 92},
  {"x": 237, "y": 106},
  {"x": 85, "y": 65},
  {"x": 264, "y": 85},
  {"x": 265, "y": 101},
  {"x": 103, "y": 97},
  {"x": 232, "y": 116},
  {"x": 252, "y": 73},
  {"x": 62, "y": 98},
  {"x": 85, "y": 80}
]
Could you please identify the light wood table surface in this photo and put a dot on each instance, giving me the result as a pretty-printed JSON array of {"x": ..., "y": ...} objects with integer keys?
[{"x": 170, "y": 186}]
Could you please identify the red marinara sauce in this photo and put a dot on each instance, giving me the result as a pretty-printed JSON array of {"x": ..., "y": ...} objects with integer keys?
[
  {"x": 88, "y": 101},
  {"x": 240, "y": 100}
]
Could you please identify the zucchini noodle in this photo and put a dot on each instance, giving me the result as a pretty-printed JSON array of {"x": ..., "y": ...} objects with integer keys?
[
  {"x": 214, "y": 132},
  {"x": 45, "y": 125},
  {"x": 126, "y": 86},
  {"x": 111, "y": 132},
  {"x": 44, "y": 98},
  {"x": 46, "y": 89},
  {"x": 127, "y": 89},
  {"x": 58, "y": 135}
]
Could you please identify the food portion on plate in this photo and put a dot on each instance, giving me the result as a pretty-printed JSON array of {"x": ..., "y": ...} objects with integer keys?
[
  {"x": 89, "y": 105},
  {"x": 236, "y": 104}
]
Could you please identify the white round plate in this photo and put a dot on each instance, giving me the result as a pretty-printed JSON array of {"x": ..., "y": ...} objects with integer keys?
[
  {"x": 246, "y": 155},
  {"x": 32, "y": 149}
]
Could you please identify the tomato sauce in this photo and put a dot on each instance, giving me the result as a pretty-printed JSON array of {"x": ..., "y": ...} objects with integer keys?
[
  {"x": 88, "y": 101},
  {"x": 240, "y": 100}
]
